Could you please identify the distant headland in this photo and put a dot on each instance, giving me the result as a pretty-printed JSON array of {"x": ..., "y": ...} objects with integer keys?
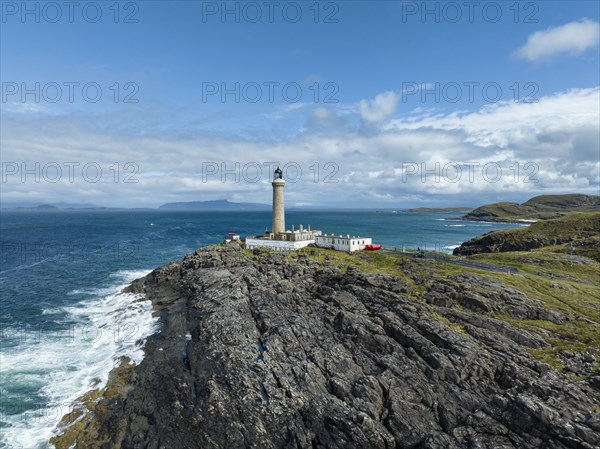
[{"x": 543, "y": 207}]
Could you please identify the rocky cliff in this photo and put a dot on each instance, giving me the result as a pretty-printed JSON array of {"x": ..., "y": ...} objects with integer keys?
[{"x": 261, "y": 350}]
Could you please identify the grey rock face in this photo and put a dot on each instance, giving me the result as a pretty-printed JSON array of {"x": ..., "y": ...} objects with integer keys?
[{"x": 264, "y": 354}]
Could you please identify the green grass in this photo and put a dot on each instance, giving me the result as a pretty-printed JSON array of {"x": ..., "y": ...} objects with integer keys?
[
  {"x": 545, "y": 263},
  {"x": 579, "y": 296},
  {"x": 571, "y": 201},
  {"x": 577, "y": 233},
  {"x": 568, "y": 288},
  {"x": 541, "y": 207},
  {"x": 572, "y": 288},
  {"x": 367, "y": 262},
  {"x": 455, "y": 327}
]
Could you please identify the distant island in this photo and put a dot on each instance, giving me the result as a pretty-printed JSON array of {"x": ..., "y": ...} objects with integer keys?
[
  {"x": 61, "y": 205},
  {"x": 216, "y": 205},
  {"x": 543, "y": 207},
  {"x": 45, "y": 207}
]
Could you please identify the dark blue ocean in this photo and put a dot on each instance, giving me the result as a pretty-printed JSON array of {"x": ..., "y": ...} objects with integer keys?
[{"x": 64, "y": 322}]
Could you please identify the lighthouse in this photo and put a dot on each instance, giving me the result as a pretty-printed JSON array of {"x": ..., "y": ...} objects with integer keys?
[
  {"x": 278, "y": 208},
  {"x": 278, "y": 238}
]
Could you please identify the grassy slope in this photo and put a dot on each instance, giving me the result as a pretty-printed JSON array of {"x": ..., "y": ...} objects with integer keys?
[
  {"x": 581, "y": 230},
  {"x": 561, "y": 285},
  {"x": 541, "y": 207},
  {"x": 558, "y": 275}
]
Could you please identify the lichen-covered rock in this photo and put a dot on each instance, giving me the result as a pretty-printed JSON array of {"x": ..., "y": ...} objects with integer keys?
[{"x": 255, "y": 352}]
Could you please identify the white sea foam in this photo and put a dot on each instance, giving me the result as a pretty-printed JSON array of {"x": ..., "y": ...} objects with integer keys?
[
  {"x": 451, "y": 246},
  {"x": 64, "y": 365},
  {"x": 50, "y": 312},
  {"x": 456, "y": 226}
]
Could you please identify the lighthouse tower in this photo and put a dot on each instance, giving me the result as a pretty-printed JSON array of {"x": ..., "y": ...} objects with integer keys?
[
  {"x": 278, "y": 238},
  {"x": 278, "y": 208}
]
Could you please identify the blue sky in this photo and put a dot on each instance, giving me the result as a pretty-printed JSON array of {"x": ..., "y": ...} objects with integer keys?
[{"x": 380, "y": 90}]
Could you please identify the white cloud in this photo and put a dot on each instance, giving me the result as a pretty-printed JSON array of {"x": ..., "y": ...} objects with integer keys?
[
  {"x": 282, "y": 111},
  {"x": 559, "y": 135},
  {"x": 571, "y": 38},
  {"x": 554, "y": 125},
  {"x": 380, "y": 108},
  {"x": 23, "y": 108}
]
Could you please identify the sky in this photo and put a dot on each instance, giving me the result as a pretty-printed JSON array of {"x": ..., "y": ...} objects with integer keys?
[{"x": 389, "y": 104}]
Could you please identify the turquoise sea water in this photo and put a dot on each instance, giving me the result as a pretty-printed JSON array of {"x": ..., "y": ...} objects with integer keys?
[{"x": 64, "y": 322}]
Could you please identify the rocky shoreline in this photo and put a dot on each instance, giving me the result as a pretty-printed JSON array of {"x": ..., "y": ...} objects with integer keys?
[{"x": 262, "y": 350}]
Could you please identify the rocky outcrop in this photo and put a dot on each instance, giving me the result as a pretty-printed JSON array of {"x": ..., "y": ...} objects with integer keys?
[
  {"x": 257, "y": 351},
  {"x": 580, "y": 231},
  {"x": 500, "y": 242}
]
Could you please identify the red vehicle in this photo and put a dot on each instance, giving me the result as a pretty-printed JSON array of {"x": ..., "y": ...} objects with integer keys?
[{"x": 372, "y": 247}]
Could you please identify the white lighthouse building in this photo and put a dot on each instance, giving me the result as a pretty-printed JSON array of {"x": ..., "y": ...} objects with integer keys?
[
  {"x": 278, "y": 206},
  {"x": 279, "y": 237}
]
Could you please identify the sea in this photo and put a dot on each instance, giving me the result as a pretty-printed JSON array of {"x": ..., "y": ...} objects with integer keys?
[{"x": 65, "y": 322}]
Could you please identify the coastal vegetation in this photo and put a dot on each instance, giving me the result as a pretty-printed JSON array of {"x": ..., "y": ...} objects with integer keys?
[
  {"x": 575, "y": 234},
  {"x": 541, "y": 207}
]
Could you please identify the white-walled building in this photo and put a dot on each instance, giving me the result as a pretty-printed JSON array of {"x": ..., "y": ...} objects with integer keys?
[
  {"x": 285, "y": 240},
  {"x": 278, "y": 245},
  {"x": 342, "y": 243}
]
